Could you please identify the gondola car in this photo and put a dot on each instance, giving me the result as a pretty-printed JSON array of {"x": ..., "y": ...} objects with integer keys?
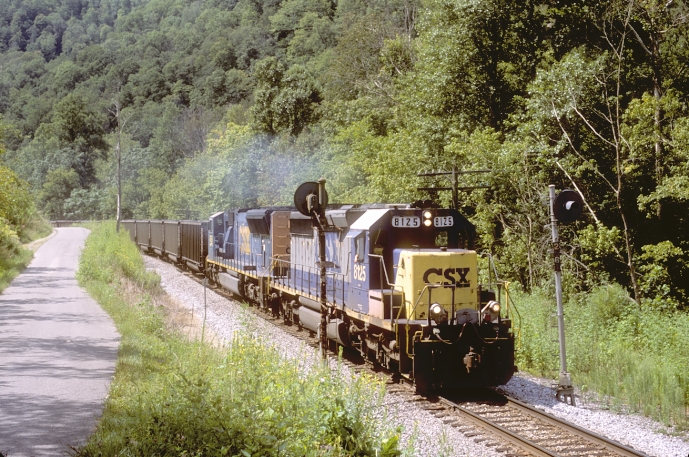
[{"x": 402, "y": 286}]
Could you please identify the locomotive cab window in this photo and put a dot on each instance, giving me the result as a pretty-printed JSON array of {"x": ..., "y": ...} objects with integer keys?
[
  {"x": 360, "y": 245},
  {"x": 380, "y": 239},
  {"x": 441, "y": 239}
]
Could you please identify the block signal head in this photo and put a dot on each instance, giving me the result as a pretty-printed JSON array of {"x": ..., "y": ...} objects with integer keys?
[{"x": 568, "y": 206}]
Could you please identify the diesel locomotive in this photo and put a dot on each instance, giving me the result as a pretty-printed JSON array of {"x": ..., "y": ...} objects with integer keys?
[{"x": 401, "y": 283}]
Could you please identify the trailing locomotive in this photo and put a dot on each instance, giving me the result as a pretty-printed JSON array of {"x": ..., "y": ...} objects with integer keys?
[{"x": 402, "y": 283}]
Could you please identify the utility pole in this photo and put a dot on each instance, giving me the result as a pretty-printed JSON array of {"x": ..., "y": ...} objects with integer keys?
[{"x": 453, "y": 174}]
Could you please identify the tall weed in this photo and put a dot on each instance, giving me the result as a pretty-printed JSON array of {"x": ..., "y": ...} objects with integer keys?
[
  {"x": 109, "y": 256},
  {"x": 173, "y": 397},
  {"x": 633, "y": 357}
]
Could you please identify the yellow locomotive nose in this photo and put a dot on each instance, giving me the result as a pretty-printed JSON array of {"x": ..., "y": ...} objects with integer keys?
[{"x": 432, "y": 277}]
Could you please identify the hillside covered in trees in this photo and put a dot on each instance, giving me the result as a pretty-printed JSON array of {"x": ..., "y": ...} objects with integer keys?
[{"x": 225, "y": 103}]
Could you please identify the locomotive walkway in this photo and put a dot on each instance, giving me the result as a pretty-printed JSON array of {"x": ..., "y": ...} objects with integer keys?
[{"x": 57, "y": 354}]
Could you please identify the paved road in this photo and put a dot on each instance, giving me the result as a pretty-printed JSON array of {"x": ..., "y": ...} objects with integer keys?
[{"x": 57, "y": 354}]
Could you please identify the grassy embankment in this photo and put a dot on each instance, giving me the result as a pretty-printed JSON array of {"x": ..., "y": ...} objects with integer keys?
[
  {"x": 634, "y": 358},
  {"x": 171, "y": 396},
  {"x": 13, "y": 256}
]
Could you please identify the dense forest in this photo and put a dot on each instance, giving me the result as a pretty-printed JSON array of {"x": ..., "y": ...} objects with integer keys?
[{"x": 223, "y": 103}]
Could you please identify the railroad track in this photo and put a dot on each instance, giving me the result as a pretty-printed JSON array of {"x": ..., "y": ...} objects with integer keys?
[
  {"x": 526, "y": 431},
  {"x": 507, "y": 425}
]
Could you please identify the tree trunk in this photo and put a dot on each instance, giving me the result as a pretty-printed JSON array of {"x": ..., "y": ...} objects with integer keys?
[
  {"x": 119, "y": 184},
  {"x": 657, "y": 94},
  {"x": 630, "y": 254}
]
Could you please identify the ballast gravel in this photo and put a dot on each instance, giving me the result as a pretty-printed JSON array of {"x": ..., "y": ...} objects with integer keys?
[
  {"x": 638, "y": 432},
  {"x": 423, "y": 434}
]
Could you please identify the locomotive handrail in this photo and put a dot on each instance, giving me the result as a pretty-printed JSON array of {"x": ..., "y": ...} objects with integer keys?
[
  {"x": 406, "y": 325},
  {"x": 298, "y": 283},
  {"x": 491, "y": 265},
  {"x": 393, "y": 287},
  {"x": 510, "y": 305},
  {"x": 385, "y": 270},
  {"x": 428, "y": 287},
  {"x": 508, "y": 299}
]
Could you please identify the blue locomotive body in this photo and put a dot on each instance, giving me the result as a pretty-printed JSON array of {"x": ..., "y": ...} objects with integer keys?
[{"x": 401, "y": 286}]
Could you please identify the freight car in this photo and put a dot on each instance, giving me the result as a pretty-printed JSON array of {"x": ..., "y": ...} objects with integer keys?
[
  {"x": 402, "y": 283},
  {"x": 182, "y": 242}
]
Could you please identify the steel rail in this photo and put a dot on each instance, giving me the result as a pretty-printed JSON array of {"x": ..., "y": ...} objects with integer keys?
[
  {"x": 532, "y": 448},
  {"x": 507, "y": 435},
  {"x": 610, "y": 445}
]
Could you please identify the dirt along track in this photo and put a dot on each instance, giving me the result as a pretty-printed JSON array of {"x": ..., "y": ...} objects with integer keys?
[{"x": 58, "y": 350}]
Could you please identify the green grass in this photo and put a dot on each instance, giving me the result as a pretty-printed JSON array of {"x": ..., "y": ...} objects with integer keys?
[
  {"x": 12, "y": 263},
  {"x": 13, "y": 257},
  {"x": 631, "y": 357},
  {"x": 175, "y": 397},
  {"x": 35, "y": 229}
]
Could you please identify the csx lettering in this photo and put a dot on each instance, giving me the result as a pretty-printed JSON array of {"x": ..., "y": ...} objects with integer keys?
[
  {"x": 460, "y": 280},
  {"x": 359, "y": 272}
]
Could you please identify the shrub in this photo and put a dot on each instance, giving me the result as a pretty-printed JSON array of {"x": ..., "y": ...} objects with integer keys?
[
  {"x": 15, "y": 201},
  {"x": 13, "y": 258},
  {"x": 9, "y": 241}
]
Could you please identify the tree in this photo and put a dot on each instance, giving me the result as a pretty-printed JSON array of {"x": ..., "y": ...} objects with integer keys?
[
  {"x": 291, "y": 12},
  {"x": 180, "y": 135},
  {"x": 284, "y": 100},
  {"x": 15, "y": 200},
  {"x": 609, "y": 127},
  {"x": 357, "y": 64},
  {"x": 653, "y": 24},
  {"x": 313, "y": 36},
  {"x": 79, "y": 127},
  {"x": 664, "y": 259},
  {"x": 56, "y": 190},
  {"x": 473, "y": 63},
  {"x": 121, "y": 122}
]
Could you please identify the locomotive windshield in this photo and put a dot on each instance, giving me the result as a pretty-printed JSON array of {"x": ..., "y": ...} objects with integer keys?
[{"x": 441, "y": 239}]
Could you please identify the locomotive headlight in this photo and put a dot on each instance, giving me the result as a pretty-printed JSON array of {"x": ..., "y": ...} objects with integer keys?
[
  {"x": 427, "y": 214},
  {"x": 491, "y": 307},
  {"x": 438, "y": 313},
  {"x": 427, "y": 222}
]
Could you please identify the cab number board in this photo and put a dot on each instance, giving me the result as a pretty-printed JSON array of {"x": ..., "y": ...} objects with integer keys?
[
  {"x": 406, "y": 221},
  {"x": 443, "y": 221}
]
